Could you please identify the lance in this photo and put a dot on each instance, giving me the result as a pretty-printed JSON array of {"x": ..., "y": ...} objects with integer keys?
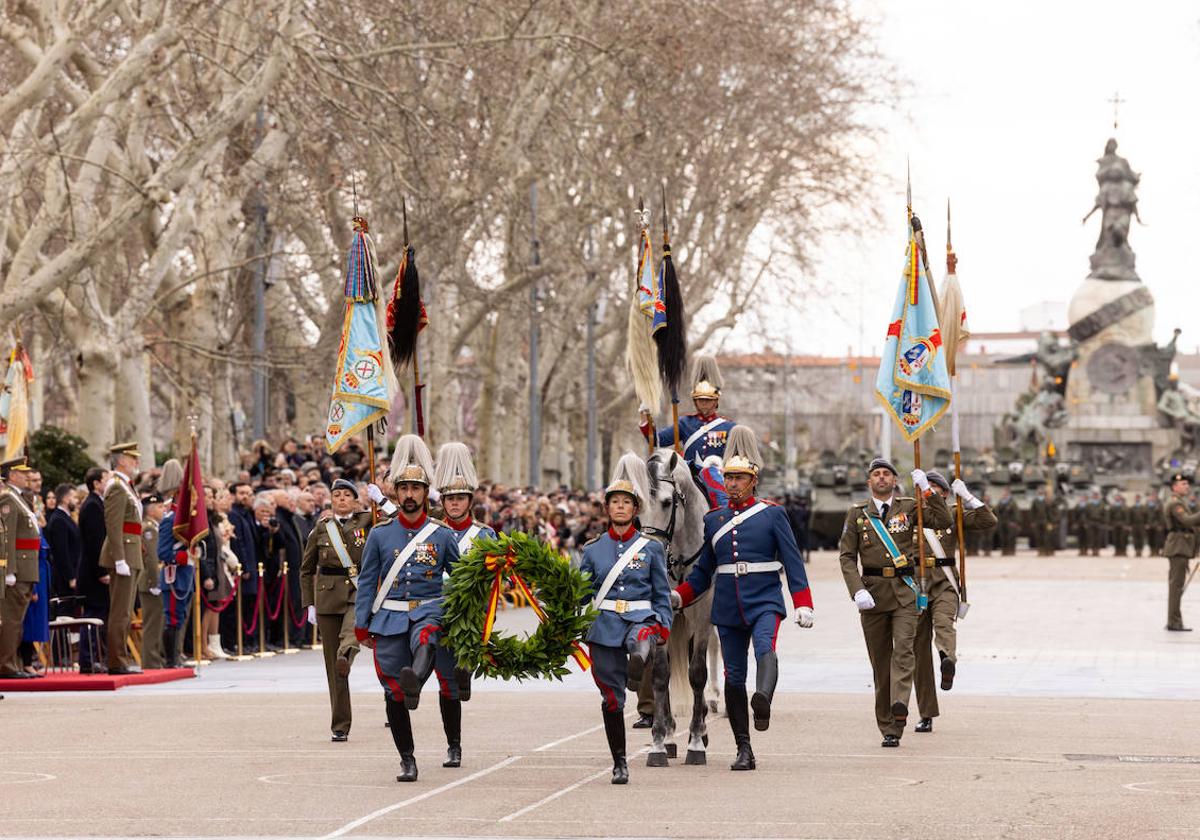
[
  {"x": 955, "y": 441},
  {"x": 418, "y": 408}
]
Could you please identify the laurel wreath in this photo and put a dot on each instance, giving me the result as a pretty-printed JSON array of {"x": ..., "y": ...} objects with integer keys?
[{"x": 561, "y": 596}]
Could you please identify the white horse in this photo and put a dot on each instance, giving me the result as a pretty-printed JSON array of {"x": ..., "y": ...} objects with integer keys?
[{"x": 675, "y": 515}]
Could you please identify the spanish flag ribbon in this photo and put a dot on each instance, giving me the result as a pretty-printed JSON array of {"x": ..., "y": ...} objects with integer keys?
[{"x": 502, "y": 565}]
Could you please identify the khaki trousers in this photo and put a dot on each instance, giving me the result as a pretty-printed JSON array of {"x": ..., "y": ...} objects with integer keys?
[
  {"x": 12, "y": 616},
  {"x": 1175, "y": 580},
  {"x": 337, "y": 639},
  {"x": 152, "y": 630},
  {"x": 122, "y": 590},
  {"x": 935, "y": 626},
  {"x": 890, "y": 637}
]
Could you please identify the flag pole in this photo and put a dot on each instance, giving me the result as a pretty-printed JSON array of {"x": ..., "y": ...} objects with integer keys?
[
  {"x": 951, "y": 267},
  {"x": 666, "y": 252},
  {"x": 920, "y": 501},
  {"x": 418, "y": 410},
  {"x": 371, "y": 465}
]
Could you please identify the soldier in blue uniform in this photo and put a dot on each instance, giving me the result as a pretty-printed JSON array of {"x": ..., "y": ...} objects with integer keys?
[
  {"x": 631, "y": 593},
  {"x": 703, "y": 434},
  {"x": 746, "y": 545},
  {"x": 456, "y": 480},
  {"x": 398, "y": 607}
]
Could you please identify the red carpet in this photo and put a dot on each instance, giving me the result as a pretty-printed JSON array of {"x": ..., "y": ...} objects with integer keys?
[{"x": 95, "y": 682}]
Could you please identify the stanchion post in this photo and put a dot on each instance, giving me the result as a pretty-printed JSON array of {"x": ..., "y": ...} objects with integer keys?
[
  {"x": 287, "y": 612},
  {"x": 262, "y": 614},
  {"x": 241, "y": 631}
]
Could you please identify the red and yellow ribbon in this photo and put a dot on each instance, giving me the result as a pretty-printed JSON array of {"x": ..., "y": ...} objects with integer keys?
[{"x": 502, "y": 565}]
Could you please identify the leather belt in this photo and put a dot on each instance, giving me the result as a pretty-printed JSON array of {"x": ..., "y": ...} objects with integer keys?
[
  {"x": 334, "y": 571},
  {"x": 938, "y": 561},
  {"x": 404, "y": 606},
  {"x": 886, "y": 571},
  {"x": 740, "y": 569},
  {"x": 134, "y": 528},
  {"x": 624, "y": 606},
  {"x": 28, "y": 545}
]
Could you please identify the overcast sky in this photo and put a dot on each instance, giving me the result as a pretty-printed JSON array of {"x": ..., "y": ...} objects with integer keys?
[{"x": 1007, "y": 114}]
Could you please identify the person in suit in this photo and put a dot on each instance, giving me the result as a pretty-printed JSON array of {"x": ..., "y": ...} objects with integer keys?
[
  {"x": 66, "y": 544},
  {"x": 628, "y": 572},
  {"x": 91, "y": 579}
]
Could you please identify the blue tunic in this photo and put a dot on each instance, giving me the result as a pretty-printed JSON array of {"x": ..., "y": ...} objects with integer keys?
[
  {"x": 740, "y": 600},
  {"x": 643, "y": 579},
  {"x": 36, "y": 627},
  {"x": 419, "y": 580},
  {"x": 708, "y": 444}
]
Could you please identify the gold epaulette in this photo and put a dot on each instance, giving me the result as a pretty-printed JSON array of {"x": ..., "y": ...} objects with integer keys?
[{"x": 592, "y": 540}]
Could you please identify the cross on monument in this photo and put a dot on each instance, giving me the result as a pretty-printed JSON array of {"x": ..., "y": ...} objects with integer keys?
[{"x": 1117, "y": 102}]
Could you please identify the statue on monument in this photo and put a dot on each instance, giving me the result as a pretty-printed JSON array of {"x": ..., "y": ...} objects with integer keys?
[{"x": 1116, "y": 200}]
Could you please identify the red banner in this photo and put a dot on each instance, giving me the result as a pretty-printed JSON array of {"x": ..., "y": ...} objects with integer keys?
[{"x": 191, "y": 516}]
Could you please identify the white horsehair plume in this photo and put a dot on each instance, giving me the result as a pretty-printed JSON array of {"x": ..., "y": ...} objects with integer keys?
[
  {"x": 455, "y": 472},
  {"x": 411, "y": 461}
]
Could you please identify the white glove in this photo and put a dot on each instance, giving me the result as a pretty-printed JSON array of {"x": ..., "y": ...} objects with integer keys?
[
  {"x": 921, "y": 480},
  {"x": 676, "y": 600},
  {"x": 863, "y": 600},
  {"x": 312, "y": 610},
  {"x": 10, "y": 579},
  {"x": 643, "y": 408},
  {"x": 804, "y": 616},
  {"x": 123, "y": 569},
  {"x": 155, "y": 591},
  {"x": 960, "y": 489},
  {"x": 374, "y": 494}
]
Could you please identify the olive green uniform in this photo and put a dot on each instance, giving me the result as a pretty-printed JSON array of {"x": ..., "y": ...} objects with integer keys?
[
  {"x": 1096, "y": 516},
  {"x": 326, "y": 583},
  {"x": 936, "y": 624},
  {"x": 22, "y": 541},
  {"x": 122, "y": 541},
  {"x": 1119, "y": 521},
  {"x": 1138, "y": 519},
  {"x": 1156, "y": 528},
  {"x": 152, "y": 605},
  {"x": 1181, "y": 519},
  {"x": 1006, "y": 517},
  {"x": 890, "y": 627}
]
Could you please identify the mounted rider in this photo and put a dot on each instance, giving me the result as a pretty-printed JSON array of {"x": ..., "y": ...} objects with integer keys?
[{"x": 702, "y": 435}]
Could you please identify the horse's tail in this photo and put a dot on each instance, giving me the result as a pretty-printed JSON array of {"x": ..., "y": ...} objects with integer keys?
[{"x": 679, "y": 658}]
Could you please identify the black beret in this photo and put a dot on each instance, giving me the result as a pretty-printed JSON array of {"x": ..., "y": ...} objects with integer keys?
[{"x": 881, "y": 462}]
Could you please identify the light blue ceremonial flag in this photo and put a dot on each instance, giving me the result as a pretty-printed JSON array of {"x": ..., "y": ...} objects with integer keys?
[
  {"x": 360, "y": 392},
  {"x": 913, "y": 384}
]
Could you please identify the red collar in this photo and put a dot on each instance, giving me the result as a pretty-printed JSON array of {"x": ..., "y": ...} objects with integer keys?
[
  {"x": 749, "y": 501},
  {"x": 459, "y": 525},
  {"x": 403, "y": 520},
  {"x": 612, "y": 532},
  {"x": 706, "y": 418}
]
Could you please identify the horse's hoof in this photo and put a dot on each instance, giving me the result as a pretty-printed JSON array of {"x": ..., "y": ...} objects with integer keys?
[
  {"x": 696, "y": 758},
  {"x": 657, "y": 759},
  {"x": 712, "y": 706},
  {"x": 672, "y": 751},
  {"x": 704, "y": 738}
]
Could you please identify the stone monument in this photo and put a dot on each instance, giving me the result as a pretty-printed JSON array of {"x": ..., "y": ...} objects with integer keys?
[{"x": 1113, "y": 423}]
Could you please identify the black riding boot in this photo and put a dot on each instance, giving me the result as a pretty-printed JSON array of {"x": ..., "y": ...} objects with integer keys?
[
  {"x": 169, "y": 649},
  {"x": 739, "y": 722},
  {"x": 452, "y": 725},
  {"x": 614, "y": 729},
  {"x": 637, "y": 664},
  {"x": 463, "y": 677},
  {"x": 401, "y": 726},
  {"x": 768, "y": 676},
  {"x": 414, "y": 676}
]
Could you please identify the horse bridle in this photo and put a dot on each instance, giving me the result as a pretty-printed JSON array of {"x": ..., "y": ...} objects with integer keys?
[{"x": 676, "y": 564}]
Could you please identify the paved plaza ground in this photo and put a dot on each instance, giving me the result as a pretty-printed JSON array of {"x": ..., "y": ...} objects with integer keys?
[{"x": 1075, "y": 715}]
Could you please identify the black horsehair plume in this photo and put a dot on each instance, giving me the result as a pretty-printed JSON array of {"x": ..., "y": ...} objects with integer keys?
[
  {"x": 405, "y": 312},
  {"x": 671, "y": 336}
]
